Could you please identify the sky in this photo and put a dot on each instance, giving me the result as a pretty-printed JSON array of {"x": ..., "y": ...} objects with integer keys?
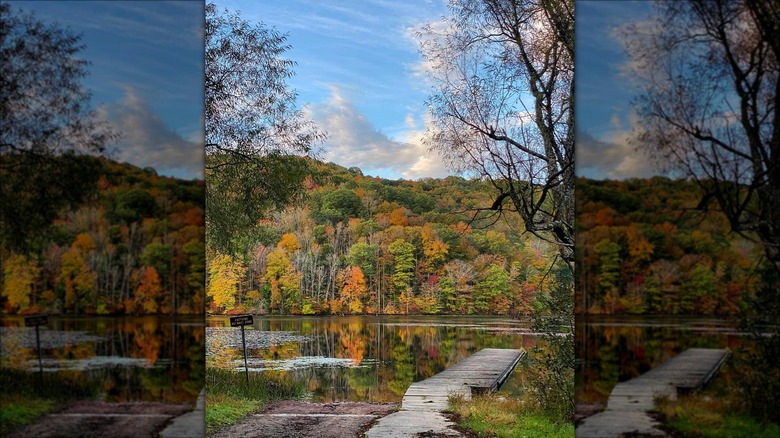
[
  {"x": 360, "y": 76},
  {"x": 603, "y": 98},
  {"x": 146, "y": 76}
]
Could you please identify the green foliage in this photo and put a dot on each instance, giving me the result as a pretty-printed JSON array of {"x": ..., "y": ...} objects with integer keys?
[
  {"x": 700, "y": 416},
  {"x": 131, "y": 206},
  {"x": 495, "y": 281},
  {"x": 158, "y": 256},
  {"x": 240, "y": 193},
  {"x": 363, "y": 255},
  {"x": 18, "y": 411},
  {"x": 403, "y": 265},
  {"x": 343, "y": 201},
  {"x": 759, "y": 375},
  {"x": 36, "y": 189}
]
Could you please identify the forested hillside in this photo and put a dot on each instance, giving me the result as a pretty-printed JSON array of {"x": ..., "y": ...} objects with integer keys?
[
  {"x": 134, "y": 245},
  {"x": 652, "y": 246},
  {"x": 355, "y": 244}
]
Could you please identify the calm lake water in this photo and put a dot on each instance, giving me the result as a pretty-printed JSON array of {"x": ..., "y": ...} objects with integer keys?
[
  {"x": 361, "y": 358},
  {"x": 133, "y": 359},
  {"x": 615, "y": 349}
]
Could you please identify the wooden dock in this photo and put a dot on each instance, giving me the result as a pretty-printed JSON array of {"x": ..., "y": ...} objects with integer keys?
[
  {"x": 629, "y": 401},
  {"x": 484, "y": 371},
  {"x": 423, "y": 402}
]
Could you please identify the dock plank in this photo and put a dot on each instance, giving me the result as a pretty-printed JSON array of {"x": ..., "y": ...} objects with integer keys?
[
  {"x": 629, "y": 401},
  {"x": 483, "y": 371},
  {"x": 423, "y": 402}
]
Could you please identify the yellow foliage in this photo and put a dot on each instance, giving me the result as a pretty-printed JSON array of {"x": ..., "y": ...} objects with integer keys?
[
  {"x": 19, "y": 274},
  {"x": 289, "y": 242}
]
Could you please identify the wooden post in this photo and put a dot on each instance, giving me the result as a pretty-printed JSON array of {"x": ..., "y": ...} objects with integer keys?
[
  {"x": 241, "y": 321},
  {"x": 37, "y": 321},
  {"x": 246, "y": 367},
  {"x": 38, "y": 344}
]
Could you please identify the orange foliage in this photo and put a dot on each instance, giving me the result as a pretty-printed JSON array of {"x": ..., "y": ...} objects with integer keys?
[{"x": 398, "y": 217}]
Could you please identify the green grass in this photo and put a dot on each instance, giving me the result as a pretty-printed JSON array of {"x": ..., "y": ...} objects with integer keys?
[
  {"x": 16, "y": 411},
  {"x": 229, "y": 398},
  {"x": 707, "y": 417},
  {"x": 25, "y": 396},
  {"x": 506, "y": 417}
]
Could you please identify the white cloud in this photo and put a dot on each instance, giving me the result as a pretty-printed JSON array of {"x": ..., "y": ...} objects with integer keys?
[
  {"x": 410, "y": 122},
  {"x": 354, "y": 141},
  {"x": 148, "y": 141},
  {"x": 613, "y": 157}
]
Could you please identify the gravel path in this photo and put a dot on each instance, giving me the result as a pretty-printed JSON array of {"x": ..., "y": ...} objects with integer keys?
[{"x": 292, "y": 419}]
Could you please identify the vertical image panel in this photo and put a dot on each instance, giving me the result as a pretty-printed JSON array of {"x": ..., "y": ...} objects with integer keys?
[
  {"x": 677, "y": 219},
  {"x": 102, "y": 219},
  {"x": 390, "y": 218}
]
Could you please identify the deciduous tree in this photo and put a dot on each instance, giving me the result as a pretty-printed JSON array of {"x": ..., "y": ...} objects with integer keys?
[
  {"x": 256, "y": 136},
  {"x": 45, "y": 112},
  {"x": 503, "y": 106},
  {"x": 707, "y": 73}
]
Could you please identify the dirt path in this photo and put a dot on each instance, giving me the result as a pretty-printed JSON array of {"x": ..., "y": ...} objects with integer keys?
[
  {"x": 89, "y": 419},
  {"x": 292, "y": 419}
]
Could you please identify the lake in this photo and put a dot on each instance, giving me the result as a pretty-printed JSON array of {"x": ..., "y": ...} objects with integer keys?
[
  {"x": 613, "y": 349},
  {"x": 133, "y": 358},
  {"x": 361, "y": 358}
]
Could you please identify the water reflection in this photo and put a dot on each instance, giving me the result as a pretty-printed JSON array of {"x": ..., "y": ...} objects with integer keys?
[
  {"x": 360, "y": 358},
  {"x": 616, "y": 349},
  {"x": 133, "y": 359}
]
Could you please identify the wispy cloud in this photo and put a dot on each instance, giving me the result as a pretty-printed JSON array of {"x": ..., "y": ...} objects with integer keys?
[
  {"x": 354, "y": 141},
  {"x": 148, "y": 141}
]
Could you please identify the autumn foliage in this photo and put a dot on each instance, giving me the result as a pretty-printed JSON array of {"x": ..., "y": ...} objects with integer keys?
[
  {"x": 362, "y": 245},
  {"x": 134, "y": 247},
  {"x": 650, "y": 247}
]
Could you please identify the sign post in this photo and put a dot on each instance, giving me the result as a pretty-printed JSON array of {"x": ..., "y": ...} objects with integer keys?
[
  {"x": 37, "y": 321},
  {"x": 241, "y": 321}
]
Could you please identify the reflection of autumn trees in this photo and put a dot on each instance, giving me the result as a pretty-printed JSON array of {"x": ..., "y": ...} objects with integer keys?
[
  {"x": 353, "y": 342},
  {"x": 387, "y": 355},
  {"x": 172, "y": 349}
]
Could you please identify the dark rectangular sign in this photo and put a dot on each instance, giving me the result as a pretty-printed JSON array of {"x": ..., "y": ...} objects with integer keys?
[
  {"x": 35, "y": 320},
  {"x": 238, "y": 321}
]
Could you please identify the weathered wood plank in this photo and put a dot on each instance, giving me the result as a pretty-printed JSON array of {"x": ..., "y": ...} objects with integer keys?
[
  {"x": 424, "y": 401},
  {"x": 483, "y": 371},
  {"x": 629, "y": 401}
]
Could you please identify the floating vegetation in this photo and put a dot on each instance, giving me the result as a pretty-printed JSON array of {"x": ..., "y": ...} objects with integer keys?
[
  {"x": 256, "y": 364},
  {"x": 24, "y": 337},
  {"x": 218, "y": 338},
  {"x": 86, "y": 364}
]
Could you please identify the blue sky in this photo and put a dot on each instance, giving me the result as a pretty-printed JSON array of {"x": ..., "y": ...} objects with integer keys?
[
  {"x": 146, "y": 75},
  {"x": 359, "y": 72},
  {"x": 603, "y": 99}
]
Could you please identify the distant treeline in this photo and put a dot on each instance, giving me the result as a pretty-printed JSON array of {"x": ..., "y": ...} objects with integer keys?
[
  {"x": 653, "y": 246},
  {"x": 362, "y": 245},
  {"x": 133, "y": 245}
]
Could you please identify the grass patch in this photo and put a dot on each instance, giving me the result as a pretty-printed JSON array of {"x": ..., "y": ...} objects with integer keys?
[
  {"x": 25, "y": 396},
  {"x": 16, "y": 411},
  {"x": 498, "y": 416},
  {"x": 229, "y": 398},
  {"x": 703, "y": 416}
]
